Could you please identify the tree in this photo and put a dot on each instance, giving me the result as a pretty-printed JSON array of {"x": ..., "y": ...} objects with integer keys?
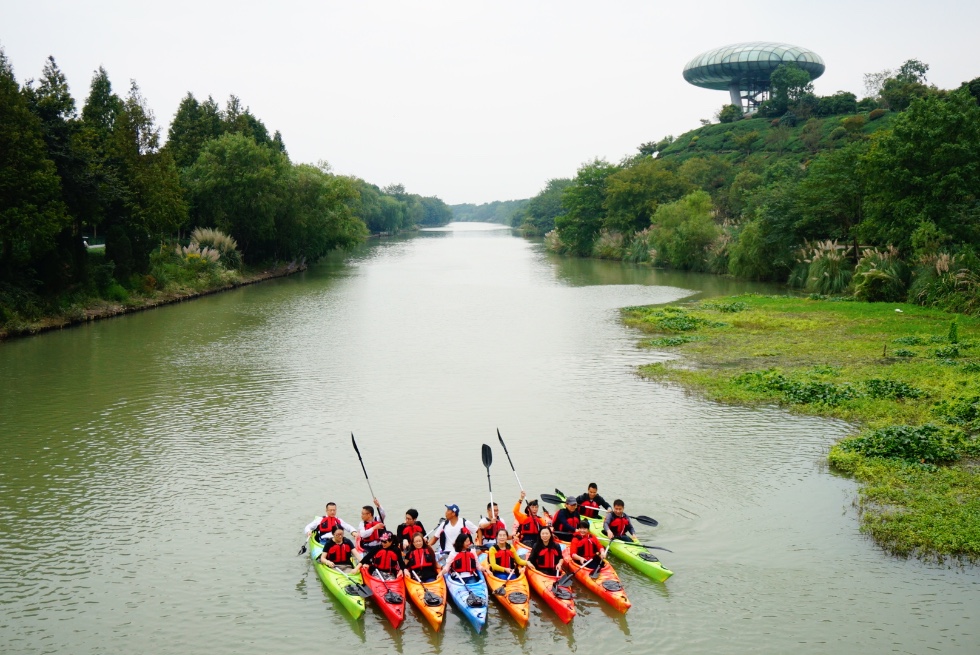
[
  {"x": 831, "y": 196},
  {"x": 319, "y": 215},
  {"x": 898, "y": 92},
  {"x": 633, "y": 194},
  {"x": 683, "y": 231},
  {"x": 31, "y": 209},
  {"x": 193, "y": 125},
  {"x": 925, "y": 169},
  {"x": 583, "y": 203},
  {"x": 788, "y": 85},
  {"x": 538, "y": 216},
  {"x": 874, "y": 82},
  {"x": 730, "y": 114}
]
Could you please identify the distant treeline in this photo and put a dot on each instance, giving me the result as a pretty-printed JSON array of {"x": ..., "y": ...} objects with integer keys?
[
  {"x": 104, "y": 173},
  {"x": 498, "y": 211},
  {"x": 879, "y": 198}
]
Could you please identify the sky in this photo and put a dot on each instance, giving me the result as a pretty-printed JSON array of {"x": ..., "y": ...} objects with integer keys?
[{"x": 468, "y": 101}]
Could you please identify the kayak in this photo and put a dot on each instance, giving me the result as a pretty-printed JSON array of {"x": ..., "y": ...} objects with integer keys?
[
  {"x": 469, "y": 597},
  {"x": 429, "y": 597},
  {"x": 512, "y": 594},
  {"x": 388, "y": 594},
  {"x": 637, "y": 556},
  {"x": 560, "y": 599},
  {"x": 341, "y": 587},
  {"x": 606, "y": 585}
]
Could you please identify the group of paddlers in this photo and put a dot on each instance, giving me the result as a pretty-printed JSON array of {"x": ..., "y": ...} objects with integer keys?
[{"x": 409, "y": 549}]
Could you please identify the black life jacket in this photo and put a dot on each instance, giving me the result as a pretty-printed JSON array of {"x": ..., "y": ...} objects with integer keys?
[
  {"x": 588, "y": 547},
  {"x": 464, "y": 562},
  {"x": 548, "y": 557},
  {"x": 339, "y": 553},
  {"x": 504, "y": 557},
  {"x": 387, "y": 560},
  {"x": 618, "y": 525},
  {"x": 326, "y": 526}
]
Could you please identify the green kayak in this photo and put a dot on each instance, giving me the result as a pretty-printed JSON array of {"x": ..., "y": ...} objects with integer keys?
[
  {"x": 338, "y": 584},
  {"x": 637, "y": 556}
]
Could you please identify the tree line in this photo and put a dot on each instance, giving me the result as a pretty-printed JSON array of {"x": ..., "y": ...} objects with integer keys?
[
  {"x": 106, "y": 173},
  {"x": 878, "y": 197}
]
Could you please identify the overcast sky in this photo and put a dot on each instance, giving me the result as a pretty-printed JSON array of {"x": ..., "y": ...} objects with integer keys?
[{"x": 468, "y": 101}]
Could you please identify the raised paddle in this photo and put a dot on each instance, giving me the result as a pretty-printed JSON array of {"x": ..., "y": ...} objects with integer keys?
[
  {"x": 509, "y": 459},
  {"x": 353, "y": 441},
  {"x": 487, "y": 455}
]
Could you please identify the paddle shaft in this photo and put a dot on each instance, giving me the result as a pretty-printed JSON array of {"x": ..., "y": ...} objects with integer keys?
[
  {"x": 361, "y": 460},
  {"x": 509, "y": 460}
]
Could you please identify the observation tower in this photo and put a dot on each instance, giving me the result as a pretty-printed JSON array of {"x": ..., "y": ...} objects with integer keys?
[{"x": 743, "y": 69}]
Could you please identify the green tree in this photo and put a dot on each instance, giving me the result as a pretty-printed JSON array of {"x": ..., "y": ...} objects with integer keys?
[
  {"x": 538, "y": 216},
  {"x": 788, "y": 85},
  {"x": 730, "y": 114},
  {"x": 925, "y": 169},
  {"x": 193, "y": 125},
  {"x": 683, "y": 232},
  {"x": 831, "y": 196},
  {"x": 909, "y": 83},
  {"x": 633, "y": 194},
  {"x": 319, "y": 215},
  {"x": 31, "y": 208},
  {"x": 584, "y": 207}
]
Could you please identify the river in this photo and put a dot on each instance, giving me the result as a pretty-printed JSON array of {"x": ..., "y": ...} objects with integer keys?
[{"x": 158, "y": 468}]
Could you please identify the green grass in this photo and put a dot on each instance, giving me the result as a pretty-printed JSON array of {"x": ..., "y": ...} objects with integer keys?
[{"x": 850, "y": 360}]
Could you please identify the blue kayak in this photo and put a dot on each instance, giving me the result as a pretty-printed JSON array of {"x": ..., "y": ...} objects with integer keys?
[{"x": 470, "y": 597}]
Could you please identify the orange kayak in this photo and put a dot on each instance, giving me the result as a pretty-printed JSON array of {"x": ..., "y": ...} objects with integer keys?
[
  {"x": 558, "y": 598},
  {"x": 429, "y": 597},
  {"x": 606, "y": 585},
  {"x": 512, "y": 594}
]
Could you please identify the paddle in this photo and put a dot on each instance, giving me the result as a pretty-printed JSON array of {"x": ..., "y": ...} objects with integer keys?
[
  {"x": 509, "y": 459},
  {"x": 487, "y": 455},
  {"x": 567, "y": 578},
  {"x": 431, "y": 599},
  {"x": 362, "y": 464},
  {"x": 363, "y": 590},
  {"x": 560, "y": 500}
]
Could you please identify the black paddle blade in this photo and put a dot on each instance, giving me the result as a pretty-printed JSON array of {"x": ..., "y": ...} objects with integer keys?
[
  {"x": 597, "y": 562},
  {"x": 646, "y": 520},
  {"x": 487, "y": 456},
  {"x": 431, "y": 599},
  {"x": 302, "y": 549},
  {"x": 354, "y": 441},
  {"x": 562, "y": 494},
  {"x": 364, "y": 591},
  {"x": 552, "y": 499},
  {"x": 565, "y": 580}
]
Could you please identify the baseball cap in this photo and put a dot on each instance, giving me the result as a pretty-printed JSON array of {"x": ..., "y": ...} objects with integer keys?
[{"x": 454, "y": 507}]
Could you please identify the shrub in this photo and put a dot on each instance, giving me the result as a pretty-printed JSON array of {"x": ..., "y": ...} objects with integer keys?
[
  {"x": 218, "y": 241},
  {"x": 891, "y": 389},
  {"x": 609, "y": 245},
  {"x": 961, "y": 411},
  {"x": 947, "y": 352},
  {"x": 116, "y": 293},
  {"x": 875, "y": 114},
  {"x": 854, "y": 124},
  {"x": 726, "y": 307},
  {"x": 837, "y": 133},
  {"x": 928, "y": 443},
  {"x": 830, "y": 269},
  {"x": 730, "y": 114},
  {"x": 910, "y": 341},
  {"x": 881, "y": 276},
  {"x": 902, "y": 352}
]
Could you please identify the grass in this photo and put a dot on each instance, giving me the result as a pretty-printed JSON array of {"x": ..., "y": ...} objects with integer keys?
[{"x": 907, "y": 379}]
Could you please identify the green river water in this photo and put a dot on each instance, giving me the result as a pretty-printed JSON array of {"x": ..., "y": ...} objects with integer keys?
[{"x": 157, "y": 469}]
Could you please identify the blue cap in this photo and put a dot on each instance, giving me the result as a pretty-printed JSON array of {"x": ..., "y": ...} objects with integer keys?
[{"x": 453, "y": 507}]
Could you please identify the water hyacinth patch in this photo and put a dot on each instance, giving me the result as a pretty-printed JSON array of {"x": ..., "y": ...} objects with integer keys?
[{"x": 925, "y": 444}]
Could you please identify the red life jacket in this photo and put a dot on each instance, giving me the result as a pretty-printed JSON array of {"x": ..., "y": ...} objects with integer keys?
[
  {"x": 549, "y": 557},
  {"x": 490, "y": 532},
  {"x": 588, "y": 508},
  {"x": 409, "y": 531},
  {"x": 339, "y": 553},
  {"x": 419, "y": 558},
  {"x": 618, "y": 524},
  {"x": 504, "y": 557},
  {"x": 326, "y": 525},
  {"x": 464, "y": 562},
  {"x": 588, "y": 547},
  {"x": 369, "y": 525},
  {"x": 569, "y": 519},
  {"x": 386, "y": 560},
  {"x": 529, "y": 528}
]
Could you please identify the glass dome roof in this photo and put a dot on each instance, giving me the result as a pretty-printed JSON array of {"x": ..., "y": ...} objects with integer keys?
[{"x": 748, "y": 64}]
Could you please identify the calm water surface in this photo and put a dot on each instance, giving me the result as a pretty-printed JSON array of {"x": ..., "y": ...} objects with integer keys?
[{"x": 158, "y": 469}]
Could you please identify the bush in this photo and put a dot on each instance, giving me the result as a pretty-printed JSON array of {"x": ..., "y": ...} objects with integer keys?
[
  {"x": 830, "y": 269},
  {"x": 961, "y": 411},
  {"x": 116, "y": 293},
  {"x": 730, "y": 114},
  {"x": 902, "y": 352},
  {"x": 891, "y": 389},
  {"x": 881, "y": 276},
  {"x": 875, "y": 114},
  {"x": 910, "y": 341},
  {"x": 609, "y": 245},
  {"x": 929, "y": 444},
  {"x": 837, "y": 133}
]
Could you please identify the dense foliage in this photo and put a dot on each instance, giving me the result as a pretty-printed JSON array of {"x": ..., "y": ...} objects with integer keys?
[
  {"x": 879, "y": 198},
  {"x": 498, "y": 211},
  {"x": 104, "y": 174}
]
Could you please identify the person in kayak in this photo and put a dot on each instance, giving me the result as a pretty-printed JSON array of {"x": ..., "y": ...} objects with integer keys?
[
  {"x": 528, "y": 525},
  {"x": 462, "y": 562},
  {"x": 503, "y": 557},
  {"x": 490, "y": 526},
  {"x": 338, "y": 553},
  {"x": 386, "y": 559},
  {"x": 618, "y": 525},
  {"x": 546, "y": 554},
  {"x": 407, "y": 530},
  {"x": 370, "y": 528},
  {"x": 590, "y": 502},
  {"x": 585, "y": 546},
  {"x": 448, "y": 532},
  {"x": 421, "y": 560},
  {"x": 567, "y": 520},
  {"x": 323, "y": 525}
]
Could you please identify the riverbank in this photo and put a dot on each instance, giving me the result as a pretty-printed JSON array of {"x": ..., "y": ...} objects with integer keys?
[
  {"x": 97, "y": 309},
  {"x": 906, "y": 376}
]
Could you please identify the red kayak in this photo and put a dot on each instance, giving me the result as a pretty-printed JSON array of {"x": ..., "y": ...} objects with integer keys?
[
  {"x": 558, "y": 598},
  {"x": 606, "y": 585},
  {"x": 388, "y": 594}
]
